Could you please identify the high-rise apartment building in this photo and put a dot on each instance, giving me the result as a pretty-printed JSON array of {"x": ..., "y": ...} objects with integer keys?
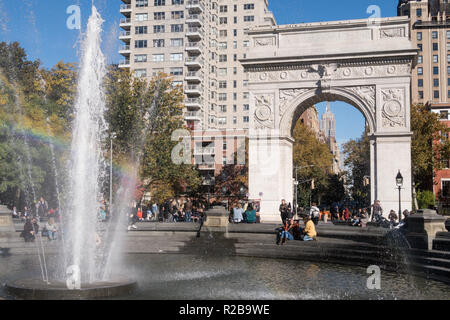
[
  {"x": 430, "y": 31},
  {"x": 199, "y": 43}
]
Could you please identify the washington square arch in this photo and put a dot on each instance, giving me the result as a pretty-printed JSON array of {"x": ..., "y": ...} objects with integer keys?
[{"x": 361, "y": 62}]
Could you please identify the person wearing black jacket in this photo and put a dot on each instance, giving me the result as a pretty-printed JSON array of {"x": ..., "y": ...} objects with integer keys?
[
  {"x": 30, "y": 230},
  {"x": 284, "y": 211}
]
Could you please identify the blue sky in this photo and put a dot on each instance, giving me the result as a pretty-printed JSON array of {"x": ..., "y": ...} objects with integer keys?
[{"x": 40, "y": 27}]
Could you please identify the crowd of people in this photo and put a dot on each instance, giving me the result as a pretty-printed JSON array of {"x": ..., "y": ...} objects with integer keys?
[{"x": 189, "y": 210}]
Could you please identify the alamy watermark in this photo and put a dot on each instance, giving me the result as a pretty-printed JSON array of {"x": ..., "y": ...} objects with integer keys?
[
  {"x": 374, "y": 280},
  {"x": 73, "y": 22}
]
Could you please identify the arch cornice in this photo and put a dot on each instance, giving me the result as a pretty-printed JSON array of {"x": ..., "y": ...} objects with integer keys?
[{"x": 361, "y": 97}]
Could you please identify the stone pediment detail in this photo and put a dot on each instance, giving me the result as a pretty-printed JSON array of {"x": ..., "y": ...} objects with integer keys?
[
  {"x": 393, "y": 110},
  {"x": 264, "y": 115},
  {"x": 331, "y": 71},
  {"x": 367, "y": 94},
  {"x": 287, "y": 96}
]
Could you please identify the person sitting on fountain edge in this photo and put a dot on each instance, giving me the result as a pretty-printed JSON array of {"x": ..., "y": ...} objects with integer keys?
[
  {"x": 309, "y": 233},
  {"x": 284, "y": 233},
  {"x": 30, "y": 230}
]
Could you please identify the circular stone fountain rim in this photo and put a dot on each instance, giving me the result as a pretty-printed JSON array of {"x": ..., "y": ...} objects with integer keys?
[{"x": 40, "y": 291}]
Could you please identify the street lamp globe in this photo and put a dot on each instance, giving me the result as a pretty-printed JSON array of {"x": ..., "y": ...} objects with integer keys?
[{"x": 399, "y": 179}]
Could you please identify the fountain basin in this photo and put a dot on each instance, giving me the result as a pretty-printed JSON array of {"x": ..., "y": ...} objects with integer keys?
[{"x": 35, "y": 289}]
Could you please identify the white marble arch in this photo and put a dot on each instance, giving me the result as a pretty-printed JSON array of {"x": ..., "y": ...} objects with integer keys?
[{"x": 366, "y": 66}]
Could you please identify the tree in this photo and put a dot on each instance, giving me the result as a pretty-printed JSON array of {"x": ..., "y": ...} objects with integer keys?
[
  {"x": 427, "y": 146},
  {"x": 234, "y": 176},
  {"x": 314, "y": 160},
  {"x": 357, "y": 160},
  {"x": 143, "y": 116}
]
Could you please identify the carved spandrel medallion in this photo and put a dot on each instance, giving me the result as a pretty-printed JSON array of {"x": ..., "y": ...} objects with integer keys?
[
  {"x": 264, "y": 116},
  {"x": 393, "y": 113}
]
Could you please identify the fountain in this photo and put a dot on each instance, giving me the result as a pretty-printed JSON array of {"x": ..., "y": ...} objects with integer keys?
[{"x": 82, "y": 267}]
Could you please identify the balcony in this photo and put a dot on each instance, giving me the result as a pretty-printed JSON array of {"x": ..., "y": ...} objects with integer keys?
[
  {"x": 125, "y": 9},
  {"x": 125, "y": 23},
  {"x": 125, "y": 36},
  {"x": 193, "y": 76},
  {"x": 194, "y": 33},
  {"x": 194, "y": 62},
  {"x": 194, "y": 20},
  {"x": 193, "y": 90},
  {"x": 194, "y": 6},
  {"x": 124, "y": 64},
  {"x": 125, "y": 50},
  {"x": 193, "y": 115},
  {"x": 194, "y": 47},
  {"x": 193, "y": 103}
]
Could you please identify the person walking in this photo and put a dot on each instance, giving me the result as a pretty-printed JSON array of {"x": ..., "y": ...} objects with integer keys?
[
  {"x": 42, "y": 208},
  {"x": 314, "y": 213}
]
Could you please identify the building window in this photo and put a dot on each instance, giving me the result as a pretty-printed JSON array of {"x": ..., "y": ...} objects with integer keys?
[
  {"x": 249, "y": 18},
  {"x": 246, "y": 119},
  {"x": 176, "y": 42},
  {"x": 158, "y": 43},
  {"x": 445, "y": 188},
  {"x": 176, "y": 28},
  {"x": 249, "y": 6},
  {"x": 419, "y": 36},
  {"x": 177, "y": 2},
  {"x": 140, "y": 73},
  {"x": 443, "y": 115},
  {"x": 420, "y": 59},
  {"x": 434, "y": 34},
  {"x": 140, "y": 58},
  {"x": 159, "y": 15},
  {"x": 158, "y": 57},
  {"x": 141, "y": 30},
  {"x": 436, "y": 94},
  {"x": 177, "y": 14},
  {"x": 420, "y": 47},
  {"x": 222, "y": 84},
  {"x": 176, "y": 71},
  {"x": 246, "y": 107},
  {"x": 141, "y": 3},
  {"x": 420, "y": 83},
  {"x": 435, "y": 58},
  {"x": 223, "y": 9},
  {"x": 141, "y": 17},
  {"x": 420, "y": 94},
  {"x": 176, "y": 57},
  {"x": 435, "y": 47},
  {"x": 435, "y": 82},
  {"x": 140, "y": 44},
  {"x": 158, "y": 29},
  {"x": 160, "y": 3},
  {"x": 435, "y": 70},
  {"x": 420, "y": 71},
  {"x": 448, "y": 35}
]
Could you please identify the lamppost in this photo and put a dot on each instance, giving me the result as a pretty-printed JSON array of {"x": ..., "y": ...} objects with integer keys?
[{"x": 399, "y": 181}]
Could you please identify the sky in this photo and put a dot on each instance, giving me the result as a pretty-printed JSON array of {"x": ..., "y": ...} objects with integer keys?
[{"x": 40, "y": 26}]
